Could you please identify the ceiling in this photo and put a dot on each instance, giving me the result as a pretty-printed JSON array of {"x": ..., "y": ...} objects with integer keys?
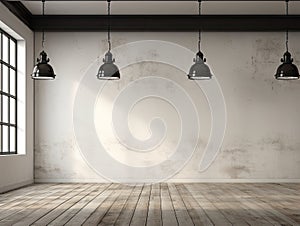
[
  {"x": 162, "y": 7},
  {"x": 157, "y": 15}
]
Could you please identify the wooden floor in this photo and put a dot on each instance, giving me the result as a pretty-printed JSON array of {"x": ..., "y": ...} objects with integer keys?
[{"x": 158, "y": 204}]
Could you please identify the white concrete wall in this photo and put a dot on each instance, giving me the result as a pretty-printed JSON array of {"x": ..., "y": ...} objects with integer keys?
[
  {"x": 261, "y": 142},
  {"x": 17, "y": 170}
]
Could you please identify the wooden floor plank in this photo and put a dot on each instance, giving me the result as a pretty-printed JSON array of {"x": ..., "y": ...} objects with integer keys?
[
  {"x": 154, "y": 211},
  {"x": 256, "y": 206},
  {"x": 249, "y": 215},
  {"x": 23, "y": 190},
  {"x": 21, "y": 203},
  {"x": 19, "y": 195},
  {"x": 112, "y": 214},
  {"x": 278, "y": 202},
  {"x": 288, "y": 195},
  {"x": 126, "y": 213},
  {"x": 294, "y": 186},
  {"x": 96, "y": 217},
  {"x": 289, "y": 188},
  {"x": 67, "y": 215},
  {"x": 50, "y": 205},
  {"x": 141, "y": 211},
  {"x": 24, "y": 202},
  {"x": 85, "y": 212},
  {"x": 168, "y": 212},
  {"x": 266, "y": 204},
  {"x": 228, "y": 209},
  {"x": 210, "y": 209},
  {"x": 36, "y": 205},
  {"x": 197, "y": 214},
  {"x": 57, "y": 211},
  {"x": 182, "y": 215}
]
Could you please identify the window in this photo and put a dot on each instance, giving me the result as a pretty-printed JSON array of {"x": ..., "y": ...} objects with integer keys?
[{"x": 8, "y": 94}]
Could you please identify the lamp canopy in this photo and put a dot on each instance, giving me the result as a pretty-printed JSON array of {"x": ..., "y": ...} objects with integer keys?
[
  {"x": 108, "y": 70},
  {"x": 287, "y": 70},
  {"x": 199, "y": 70},
  {"x": 43, "y": 70}
]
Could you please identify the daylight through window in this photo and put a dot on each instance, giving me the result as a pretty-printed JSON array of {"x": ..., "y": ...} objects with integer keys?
[{"x": 8, "y": 94}]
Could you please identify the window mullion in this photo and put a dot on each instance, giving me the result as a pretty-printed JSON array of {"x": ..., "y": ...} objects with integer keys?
[
  {"x": 8, "y": 107},
  {"x": 16, "y": 95}
]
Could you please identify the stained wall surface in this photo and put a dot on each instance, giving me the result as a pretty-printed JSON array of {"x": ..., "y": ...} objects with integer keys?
[{"x": 154, "y": 123}]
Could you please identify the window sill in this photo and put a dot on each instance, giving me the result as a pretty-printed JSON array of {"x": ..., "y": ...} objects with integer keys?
[{"x": 6, "y": 155}]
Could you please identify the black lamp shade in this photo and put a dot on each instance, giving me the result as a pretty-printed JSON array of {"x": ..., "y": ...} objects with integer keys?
[
  {"x": 199, "y": 70},
  {"x": 287, "y": 70},
  {"x": 43, "y": 70},
  {"x": 108, "y": 70}
]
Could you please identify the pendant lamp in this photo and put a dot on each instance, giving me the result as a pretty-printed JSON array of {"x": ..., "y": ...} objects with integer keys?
[
  {"x": 287, "y": 70},
  {"x": 199, "y": 70},
  {"x": 43, "y": 70},
  {"x": 108, "y": 70}
]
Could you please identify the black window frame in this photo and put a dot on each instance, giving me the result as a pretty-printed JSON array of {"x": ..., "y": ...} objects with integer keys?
[{"x": 10, "y": 97}]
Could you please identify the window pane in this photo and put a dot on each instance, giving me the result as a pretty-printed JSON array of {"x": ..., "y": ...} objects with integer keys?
[
  {"x": 12, "y": 77},
  {"x": 8, "y": 105},
  {"x": 12, "y": 111},
  {"x": 5, "y": 79},
  {"x": 5, "y": 139},
  {"x": 12, "y": 61},
  {"x": 5, "y": 109},
  {"x": 5, "y": 48},
  {"x": 12, "y": 139}
]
